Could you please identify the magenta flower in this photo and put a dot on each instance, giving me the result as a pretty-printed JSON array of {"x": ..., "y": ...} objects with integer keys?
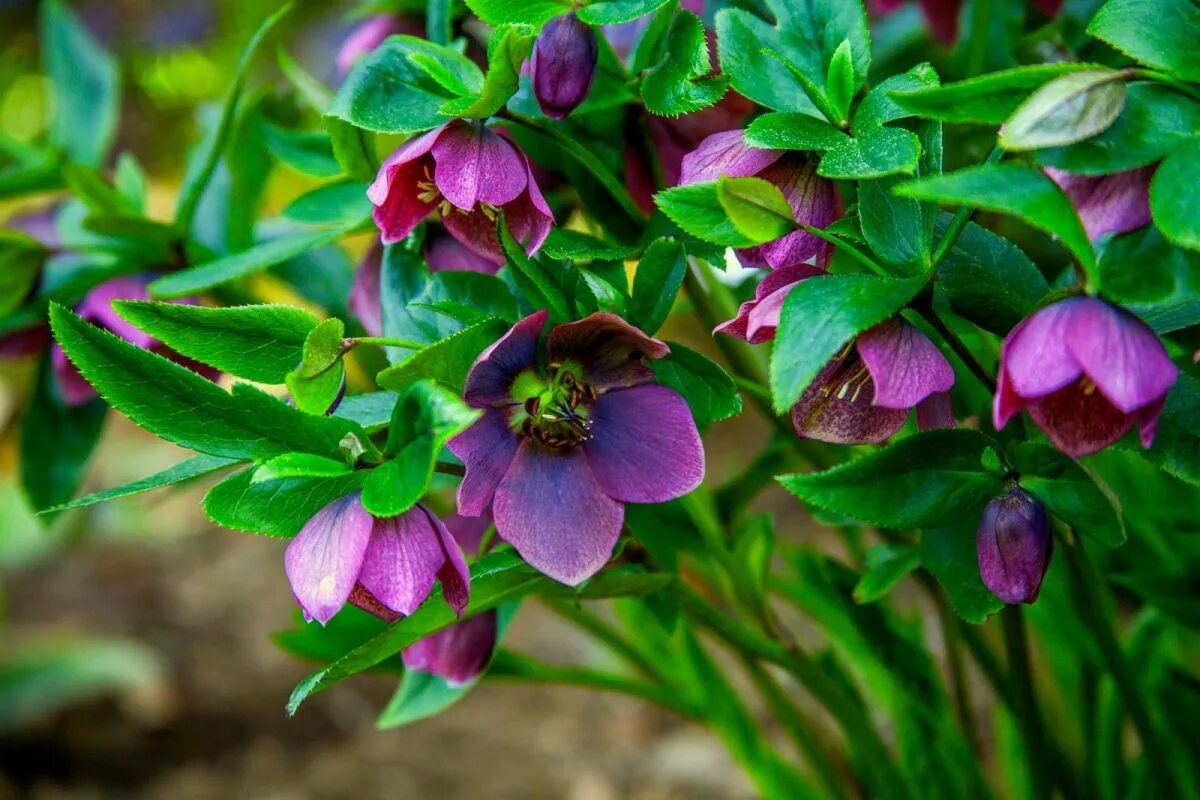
[
  {"x": 1014, "y": 546},
  {"x": 758, "y": 319},
  {"x": 384, "y": 565},
  {"x": 564, "y": 63},
  {"x": 1108, "y": 203},
  {"x": 371, "y": 33},
  {"x": 469, "y": 174},
  {"x": 456, "y": 654},
  {"x": 1087, "y": 372},
  {"x": 557, "y": 453},
  {"x": 813, "y": 199}
]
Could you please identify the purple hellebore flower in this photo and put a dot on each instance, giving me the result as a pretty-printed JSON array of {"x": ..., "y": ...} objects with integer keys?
[
  {"x": 456, "y": 654},
  {"x": 1108, "y": 203},
  {"x": 813, "y": 199},
  {"x": 369, "y": 34},
  {"x": 384, "y": 565},
  {"x": 558, "y": 453},
  {"x": 468, "y": 173},
  {"x": 564, "y": 63},
  {"x": 1086, "y": 371},
  {"x": 1014, "y": 545},
  {"x": 757, "y": 319}
]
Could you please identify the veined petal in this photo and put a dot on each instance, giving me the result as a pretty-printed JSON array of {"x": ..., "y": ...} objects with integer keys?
[
  {"x": 1079, "y": 422},
  {"x": 402, "y": 560},
  {"x": 839, "y": 406},
  {"x": 399, "y": 207},
  {"x": 813, "y": 200},
  {"x": 935, "y": 411},
  {"x": 1119, "y": 352},
  {"x": 489, "y": 383},
  {"x": 1035, "y": 354},
  {"x": 905, "y": 366},
  {"x": 474, "y": 165},
  {"x": 408, "y": 152},
  {"x": 725, "y": 153},
  {"x": 454, "y": 574},
  {"x": 486, "y": 448},
  {"x": 323, "y": 561},
  {"x": 1108, "y": 203},
  {"x": 527, "y": 222},
  {"x": 610, "y": 351},
  {"x": 758, "y": 319}
]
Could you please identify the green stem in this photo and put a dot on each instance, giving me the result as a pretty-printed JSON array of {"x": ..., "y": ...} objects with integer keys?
[
  {"x": 842, "y": 244},
  {"x": 958, "y": 673},
  {"x": 1176, "y": 84},
  {"x": 446, "y": 468},
  {"x": 384, "y": 341},
  {"x": 982, "y": 373},
  {"x": 959, "y": 221},
  {"x": 1028, "y": 716}
]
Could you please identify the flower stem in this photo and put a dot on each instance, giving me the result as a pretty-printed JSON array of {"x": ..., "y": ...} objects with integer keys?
[
  {"x": 982, "y": 373},
  {"x": 446, "y": 468},
  {"x": 959, "y": 222},
  {"x": 842, "y": 244},
  {"x": 384, "y": 341},
  {"x": 1025, "y": 700}
]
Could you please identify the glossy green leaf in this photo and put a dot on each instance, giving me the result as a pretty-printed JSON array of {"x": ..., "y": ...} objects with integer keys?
[
  {"x": 1174, "y": 200},
  {"x": 878, "y": 152},
  {"x": 307, "y": 152},
  {"x": 274, "y": 508},
  {"x": 21, "y": 259},
  {"x": 886, "y": 565},
  {"x": 86, "y": 83},
  {"x": 318, "y": 379},
  {"x": 446, "y": 361},
  {"x": 656, "y": 284},
  {"x": 878, "y": 107},
  {"x": 528, "y": 12},
  {"x": 1177, "y": 443},
  {"x": 299, "y": 465},
  {"x": 900, "y": 229},
  {"x": 841, "y": 82},
  {"x": 1066, "y": 110},
  {"x": 696, "y": 208},
  {"x": 189, "y": 469},
  {"x": 709, "y": 391},
  {"x": 782, "y": 130},
  {"x": 614, "y": 12},
  {"x": 373, "y": 410},
  {"x": 1159, "y": 33},
  {"x": 951, "y": 554},
  {"x": 539, "y": 286},
  {"x": 564, "y": 243},
  {"x": 988, "y": 99},
  {"x": 757, "y": 208},
  {"x": 680, "y": 81},
  {"x": 508, "y": 48}
]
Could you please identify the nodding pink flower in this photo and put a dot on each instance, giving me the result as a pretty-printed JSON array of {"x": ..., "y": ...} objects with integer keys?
[
  {"x": 1108, "y": 203},
  {"x": 469, "y": 174},
  {"x": 865, "y": 393},
  {"x": 558, "y": 452},
  {"x": 96, "y": 308},
  {"x": 942, "y": 15},
  {"x": 564, "y": 63},
  {"x": 456, "y": 654},
  {"x": 813, "y": 199},
  {"x": 369, "y": 34},
  {"x": 757, "y": 319},
  {"x": 1087, "y": 372},
  {"x": 1014, "y": 546},
  {"x": 384, "y": 565}
]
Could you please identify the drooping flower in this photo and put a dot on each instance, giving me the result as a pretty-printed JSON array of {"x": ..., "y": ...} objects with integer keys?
[
  {"x": 758, "y": 319},
  {"x": 369, "y": 34},
  {"x": 813, "y": 199},
  {"x": 564, "y": 63},
  {"x": 1014, "y": 546},
  {"x": 384, "y": 565},
  {"x": 942, "y": 15},
  {"x": 469, "y": 174},
  {"x": 1108, "y": 203},
  {"x": 1087, "y": 372},
  {"x": 558, "y": 453},
  {"x": 456, "y": 654}
]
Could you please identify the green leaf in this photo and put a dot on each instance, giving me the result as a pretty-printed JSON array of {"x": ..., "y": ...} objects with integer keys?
[
  {"x": 390, "y": 92},
  {"x": 696, "y": 209},
  {"x": 680, "y": 81},
  {"x": 535, "y": 282},
  {"x": 299, "y": 465},
  {"x": 307, "y": 152},
  {"x": 878, "y": 152},
  {"x": 656, "y": 283},
  {"x": 594, "y": 293},
  {"x": 887, "y": 565},
  {"x": 425, "y": 417},
  {"x": 86, "y": 83},
  {"x": 507, "y": 50},
  {"x": 757, "y": 208},
  {"x": 564, "y": 243},
  {"x": 621, "y": 580},
  {"x": 94, "y": 191},
  {"x": 1174, "y": 201},
  {"x": 447, "y": 361},
  {"x": 951, "y": 554},
  {"x": 21, "y": 259},
  {"x": 1011, "y": 189},
  {"x": 987, "y": 99},
  {"x": 988, "y": 279},
  {"x": 238, "y": 265},
  {"x": 56, "y": 440},
  {"x": 1155, "y": 119},
  {"x": 274, "y": 508},
  {"x": 781, "y": 130},
  {"x": 900, "y": 229},
  {"x": 508, "y": 12},
  {"x": 337, "y": 203},
  {"x": 878, "y": 107},
  {"x": 261, "y": 343},
  {"x": 1066, "y": 110},
  {"x": 1070, "y": 492},
  {"x": 178, "y": 405},
  {"x": 709, "y": 391},
  {"x": 373, "y": 410},
  {"x": 495, "y": 579},
  {"x": 840, "y": 83},
  {"x": 311, "y": 90},
  {"x": 1160, "y": 33},
  {"x": 348, "y": 629},
  {"x": 614, "y": 12},
  {"x": 820, "y": 316},
  {"x": 927, "y": 480},
  {"x": 1160, "y": 282},
  {"x": 317, "y": 381},
  {"x": 354, "y": 148},
  {"x": 189, "y": 469},
  {"x": 1177, "y": 444}
]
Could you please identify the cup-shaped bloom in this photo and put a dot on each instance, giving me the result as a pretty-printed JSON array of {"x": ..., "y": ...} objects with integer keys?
[
  {"x": 1087, "y": 372},
  {"x": 1014, "y": 545},
  {"x": 384, "y": 565},
  {"x": 564, "y": 63},
  {"x": 865, "y": 392},
  {"x": 369, "y": 34},
  {"x": 558, "y": 452},
  {"x": 758, "y": 319},
  {"x": 469, "y": 174},
  {"x": 456, "y": 654},
  {"x": 813, "y": 199},
  {"x": 1113, "y": 203}
]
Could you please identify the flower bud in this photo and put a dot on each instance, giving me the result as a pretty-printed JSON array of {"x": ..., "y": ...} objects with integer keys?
[
  {"x": 1014, "y": 546},
  {"x": 564, "y": 63}
]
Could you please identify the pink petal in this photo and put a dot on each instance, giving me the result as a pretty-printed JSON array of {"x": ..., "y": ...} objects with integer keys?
[
  {"x": 610, "y": 351},
  {"x": 454, "y": 574},
  {"x": 529, "y": 224},
  {"x": 96, "y": 307},
  {"x": 1108, "y": 203},
  {"x": 486, "y": 448},
  {"x": 365, "y": 292},
  {"x": 1035, "y": 354},
  {"x": 475, "y": 165},
  {"x": 1146, "y": 418},
  {"x": 725, "y": 153},
  {"x": 490, "y": 381},
  {"x": 758, "y": 319},
  {"x": 1079, "y": 422},
  {"x": 1007, "y": 403},
  {"x": 476, "y": 232},
  {"x": 323, "y": 561},
  {"x": 935, "y": 411},
  {"x": 644, "y": 446},
  {"x": 402, "y": 560},
  {"x": 905, "y": 366},
  {"x": 813, "y": 200},
  {"x": 839, "y": 406},
  {"x": 1120, "y": 354},
  {"x": 399, "y": 209},
  {"x": 72, "y": 387},
  {"x": 457, "y": 654}
]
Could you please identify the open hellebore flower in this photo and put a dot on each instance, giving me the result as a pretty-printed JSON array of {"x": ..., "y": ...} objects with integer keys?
[
  {"x": 384, "y": 565},
  {"x": 469, "y": 174},
  {"x": 813, "y": 199},
  {"x": 1014, "y": 545},
  {"x": 864, "y": 394},
  {"x": 1087, "y": 372},
  {"x": 557, "y": 453},
  {"x": 564, "y": 63},
  {"x": 458, "y": 653},
  {"x": 1108, "y": 203}
]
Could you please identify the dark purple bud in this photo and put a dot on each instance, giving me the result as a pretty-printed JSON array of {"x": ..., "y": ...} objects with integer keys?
[
  {"x": 1014, "y": 546},
  {"x": 564, "y": 63}
]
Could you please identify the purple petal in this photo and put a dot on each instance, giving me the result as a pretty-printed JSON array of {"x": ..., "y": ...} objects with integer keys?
[
  {"x": 529, "y": 221},
  {"x": 1108, "y": 203},
  {"x": 475, "y": 165},
  {"x": 814, "y": 202},
  {"x": 486, "y": 448},
  {"x": 475, "y": 231},
  {"x": 725, "y": 153},
  {"x": 644, "y": 446},
  {"x": 1146, "y": 418},
  {"x": 610, "y": 351},
  {"x": 395, "y": 194},
  {"x": 564, "y": 63},
  {"x": 447, "y": 254},
  {"x": 758, "y": 319},
  {"x": 551, "y": 509},
  {"x": 365, "y": 292},
  {"x": 838, "y": 407},
  {"x": 366, "y": 37},
  {"x": 489, "y": 383},
  {"x": 72, "y": 386},
  {"x": 1035, "y": 354},
  {"x": 454, "y": 574},
  {"x": 457, "y": 654},
  {"x": 96, "y": 308},
  {"x": 469, "y": 531},
  {"x": 935, "y": 411},
  {"x": 1014, "y": 545},
  {"x": 323, "y": 561},
  {"x": 1007, "y": 402},
  {"x": 402, "y": 560},
  {"x": 1122, "y": 356},
  {"x": 1079, "y": 422},
  {"x": 905, "y": 366}
]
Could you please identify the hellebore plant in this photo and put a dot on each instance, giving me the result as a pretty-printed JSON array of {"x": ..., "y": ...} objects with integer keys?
[{"x": 768, "y": 236}]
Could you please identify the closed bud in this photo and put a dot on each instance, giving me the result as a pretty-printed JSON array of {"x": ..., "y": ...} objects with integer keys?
[
  {"x": 1014, "y": 546},
  {"x": 564, "y": 63}
]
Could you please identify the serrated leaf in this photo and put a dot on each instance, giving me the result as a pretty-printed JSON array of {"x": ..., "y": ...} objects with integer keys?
[
  {"x": 877, "y": 153},
  {"x": 317, "y": 380},
  {"x": 757, "y": 208},
  {"x": 614, "y": 12},
  {"x": 1070, "y": 492},
  {"x": 528, "y": 12},
  {"x": 710, "y": 392},
  {"x": 987, "y": 99},
  {"x": 1174, "y": 201},
  {"x": 189, "y": 469},
  {"x": 696, "y": 209},
  {"x": 1159, "y": 33},
  {"x": 951, "y": 554},
  {"x": 508, "y": 48},
  {"x": 274, "y": 508},
  {"x": 680, "y": 82},
  {"x": 446, "y": 361},
  {"x": 781, "y": 130}
]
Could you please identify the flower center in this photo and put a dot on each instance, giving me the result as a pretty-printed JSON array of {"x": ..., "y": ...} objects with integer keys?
[
  {"x": 557, "y": 417},
  {"x": 427, "y": 192},
  {"x": 849, "y": 380}
]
